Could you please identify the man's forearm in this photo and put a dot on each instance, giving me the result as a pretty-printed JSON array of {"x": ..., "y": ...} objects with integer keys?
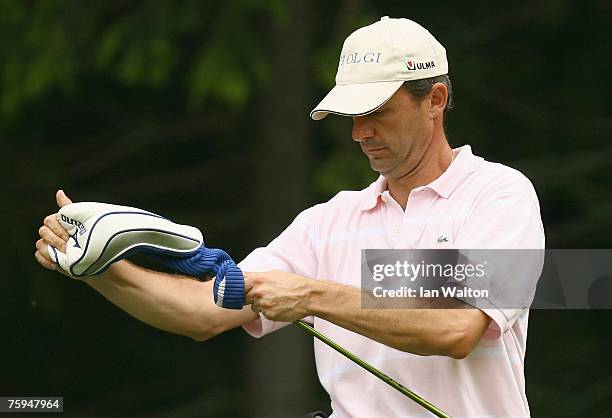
[
  {"x": 449, "y": 332},
  {"x": 172, "y": 303}
]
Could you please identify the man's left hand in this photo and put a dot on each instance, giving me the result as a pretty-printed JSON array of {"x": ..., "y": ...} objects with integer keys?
[{"x": 278, "y": 295}]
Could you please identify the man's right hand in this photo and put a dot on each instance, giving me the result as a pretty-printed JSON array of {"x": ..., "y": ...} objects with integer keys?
[{"x": 52, "y": 233}]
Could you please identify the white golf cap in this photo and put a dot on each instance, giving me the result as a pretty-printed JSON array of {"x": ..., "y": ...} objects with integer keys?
[{"x": 375, "y": 61}]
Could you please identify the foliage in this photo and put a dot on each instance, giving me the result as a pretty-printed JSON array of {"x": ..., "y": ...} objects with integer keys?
[{"x": 206, "y": 49}]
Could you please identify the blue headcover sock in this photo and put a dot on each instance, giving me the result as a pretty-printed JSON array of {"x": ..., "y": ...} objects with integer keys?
[{"x": 228, "y": 288}]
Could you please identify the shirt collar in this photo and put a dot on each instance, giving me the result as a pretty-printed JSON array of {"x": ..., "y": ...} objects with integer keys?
[
  {"x": 464, "y": 164},
  {"x": 369, "y": 196}
]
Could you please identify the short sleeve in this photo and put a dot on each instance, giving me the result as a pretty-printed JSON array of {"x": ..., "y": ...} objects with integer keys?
[
  {"x": 507, "y": 220},
  {"x": 292, "y": 252}
]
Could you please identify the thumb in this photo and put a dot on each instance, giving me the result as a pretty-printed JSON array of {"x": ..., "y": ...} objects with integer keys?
[
  {"x": 248, "y": 284},
  {"x": 61, "y": 199}
]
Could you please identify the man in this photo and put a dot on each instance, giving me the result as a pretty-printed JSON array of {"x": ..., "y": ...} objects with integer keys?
[{"x": 392, "y": 80}]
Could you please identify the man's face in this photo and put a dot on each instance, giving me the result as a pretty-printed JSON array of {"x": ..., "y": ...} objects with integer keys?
[{"x": 396, "y": 136}]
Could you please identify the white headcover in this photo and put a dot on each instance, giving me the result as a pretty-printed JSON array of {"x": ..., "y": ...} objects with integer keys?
[{"x": 102, "y": 233}]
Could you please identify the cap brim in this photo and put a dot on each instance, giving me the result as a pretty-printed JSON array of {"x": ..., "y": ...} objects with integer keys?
[{"x": 355, "y": 99}]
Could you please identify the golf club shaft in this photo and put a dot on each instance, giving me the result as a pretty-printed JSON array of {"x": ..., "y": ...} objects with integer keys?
[{"x": 396, "y": 385}]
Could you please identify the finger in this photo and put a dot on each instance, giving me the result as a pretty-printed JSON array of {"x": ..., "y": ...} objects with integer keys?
[
  {"x": 252, "y": 296},
  {"x": 248, "y": 283},
  {"x": 53, "y": 224},
  {"x": 50, "y": 238},
  {"x": 269, "y": 315},
  {"x": 61, "y": 199},
  {"x": 42, "y": 247},
  {"x": 248, "y": 299},
  {"x": 43, "y": 261},
  {"x": 255, "y": 308}
]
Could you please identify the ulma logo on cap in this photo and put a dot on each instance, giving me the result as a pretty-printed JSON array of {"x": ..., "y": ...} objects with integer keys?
[{"x": 411, "y": 65}]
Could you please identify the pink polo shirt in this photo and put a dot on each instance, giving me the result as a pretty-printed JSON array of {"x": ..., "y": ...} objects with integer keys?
[{"x": 475, "y": 204}]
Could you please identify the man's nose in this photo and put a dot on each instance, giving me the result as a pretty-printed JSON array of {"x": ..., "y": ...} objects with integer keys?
[{"x": 362, "y": 129}]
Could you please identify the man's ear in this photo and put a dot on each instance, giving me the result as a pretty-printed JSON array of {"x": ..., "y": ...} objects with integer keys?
[{"x": 438, "y": 99}]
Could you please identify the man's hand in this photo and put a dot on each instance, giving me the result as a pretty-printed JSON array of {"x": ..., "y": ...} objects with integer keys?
[
  {"x": 278, "y": 295},
  {"x": 52, "y": 233}
]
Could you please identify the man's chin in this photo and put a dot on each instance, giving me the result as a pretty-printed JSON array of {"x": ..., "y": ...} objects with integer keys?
[{"x": 379, "y": 165}]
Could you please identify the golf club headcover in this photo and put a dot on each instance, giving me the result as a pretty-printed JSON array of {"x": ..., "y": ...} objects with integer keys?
[{"x": 101, "y": 234}]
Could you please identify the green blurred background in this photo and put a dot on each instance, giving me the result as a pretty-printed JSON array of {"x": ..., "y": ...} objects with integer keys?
[{"x": 198, "y": 110}]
